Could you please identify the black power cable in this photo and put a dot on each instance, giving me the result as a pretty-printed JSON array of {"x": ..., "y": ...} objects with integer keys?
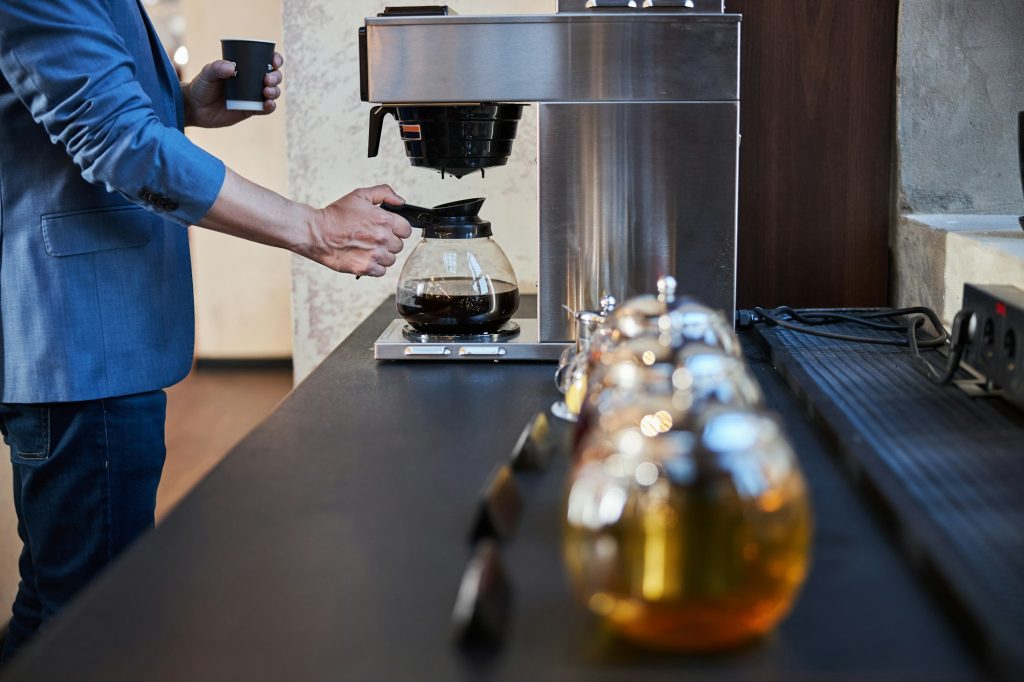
[
  {"x": 807, "y": 321},
  {"x": 958, "y": 339}
]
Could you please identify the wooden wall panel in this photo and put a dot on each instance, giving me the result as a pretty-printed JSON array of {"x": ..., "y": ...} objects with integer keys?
[{"x": 817, "y": 124}]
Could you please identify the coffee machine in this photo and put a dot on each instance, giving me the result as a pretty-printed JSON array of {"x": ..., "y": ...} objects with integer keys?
[{"x": 638, "y": 144}]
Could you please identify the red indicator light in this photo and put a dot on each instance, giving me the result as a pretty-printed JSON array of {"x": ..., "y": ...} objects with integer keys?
[{"x": 1001, "y": 309}]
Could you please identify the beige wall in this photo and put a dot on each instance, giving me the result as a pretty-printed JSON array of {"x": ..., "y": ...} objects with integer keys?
[
  {"x": 242, "y": 289},
  {"x": 327, "y": 132},
  {"x": 10, "y": 545}
]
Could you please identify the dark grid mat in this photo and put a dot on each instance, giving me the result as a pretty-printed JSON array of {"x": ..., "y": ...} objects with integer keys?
[{"x": 950, "y": 469}]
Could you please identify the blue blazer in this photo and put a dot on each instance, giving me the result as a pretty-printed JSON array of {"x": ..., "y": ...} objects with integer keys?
[{"x": 97, "y": 187}]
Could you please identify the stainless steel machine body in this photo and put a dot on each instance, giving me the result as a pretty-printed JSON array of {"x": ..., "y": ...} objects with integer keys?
[{"x": 638, "y": 135}]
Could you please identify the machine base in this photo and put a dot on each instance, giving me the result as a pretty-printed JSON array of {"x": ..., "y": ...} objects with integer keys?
[{"x": 526, "y": 346}]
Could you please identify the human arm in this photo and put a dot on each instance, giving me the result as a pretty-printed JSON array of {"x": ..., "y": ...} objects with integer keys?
[
  {"x": 351, "y": 235},
  {"x": 66, "y": 62}
]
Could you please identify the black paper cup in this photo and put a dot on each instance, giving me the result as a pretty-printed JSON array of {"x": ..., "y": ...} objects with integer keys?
[{"x": 253, "y": 60}]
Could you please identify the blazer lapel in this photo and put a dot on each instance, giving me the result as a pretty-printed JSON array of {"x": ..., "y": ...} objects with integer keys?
[{"x": 168, "y": 77}]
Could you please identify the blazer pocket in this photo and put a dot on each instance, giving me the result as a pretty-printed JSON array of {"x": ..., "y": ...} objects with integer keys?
[{"x": 78, "y": 232}]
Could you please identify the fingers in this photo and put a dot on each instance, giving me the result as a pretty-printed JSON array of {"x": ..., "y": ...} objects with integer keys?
[
  {"x": 273, "y": 78},
  {"x": 390, "y": 229},
  {"x": 393, "y": 244},
  {"x": 372, "y": 270},
  {"x": 376, "y": 265},
  {"x": 271, "y": 82},
  {"x": 218, "y": 70},
  {"x": 379, "y": 195},
  {"x": 357, "y": 236},
  {"x": 400, "y": 227},
  {"x": 378, "y": 259}
]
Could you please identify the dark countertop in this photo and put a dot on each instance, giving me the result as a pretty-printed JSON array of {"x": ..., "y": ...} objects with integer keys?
[{"x": 329, "y": 545}]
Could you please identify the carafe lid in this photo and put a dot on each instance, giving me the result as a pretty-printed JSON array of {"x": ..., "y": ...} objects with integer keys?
[{"x": 454, "y": 220}]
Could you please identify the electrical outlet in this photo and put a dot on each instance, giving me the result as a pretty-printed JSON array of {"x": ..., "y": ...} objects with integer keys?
[{"x": 996, "y": 346}]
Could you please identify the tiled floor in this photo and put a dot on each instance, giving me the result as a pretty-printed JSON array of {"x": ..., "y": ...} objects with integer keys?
[{"x": 207, "y": 414}]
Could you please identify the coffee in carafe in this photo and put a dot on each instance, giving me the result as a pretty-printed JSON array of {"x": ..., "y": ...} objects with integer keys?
[{"x": 457, "y": 306}]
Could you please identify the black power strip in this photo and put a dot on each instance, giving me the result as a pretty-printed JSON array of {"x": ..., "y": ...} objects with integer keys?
[
  {"x": 987, "y": 336},
  {"x": 995, "y": 348}
]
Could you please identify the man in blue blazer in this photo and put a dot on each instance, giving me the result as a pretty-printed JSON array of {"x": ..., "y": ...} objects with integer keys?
[{"x": 97, "y": 186}]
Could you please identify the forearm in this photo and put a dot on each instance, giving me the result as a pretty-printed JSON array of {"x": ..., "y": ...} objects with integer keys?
[
  {"x": 352, "y": 235},
  {"x": 247, "y": 210}
]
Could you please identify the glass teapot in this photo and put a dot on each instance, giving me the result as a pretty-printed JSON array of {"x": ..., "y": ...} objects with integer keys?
[
  {"x": 657, "y": 389},
  {"x": 675, "y": 321},
  {"x": 457, "y": 281},
  {"x": 573, "y": 366},
  {"x": 638, "y": 316},
  {"x": 695, "y": 539}
]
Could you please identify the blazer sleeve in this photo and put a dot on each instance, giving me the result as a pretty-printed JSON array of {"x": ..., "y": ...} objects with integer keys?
[{"x": 68, "y": 65}]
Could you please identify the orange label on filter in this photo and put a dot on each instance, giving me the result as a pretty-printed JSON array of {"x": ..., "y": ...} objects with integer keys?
[{"x": 411, "y": 131}]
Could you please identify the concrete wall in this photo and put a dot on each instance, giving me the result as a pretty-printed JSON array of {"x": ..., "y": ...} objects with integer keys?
[
  {"x": 961, "y": 84},
  {"x": 327, "y": 132},
  {"x": 935, "y": 255}
]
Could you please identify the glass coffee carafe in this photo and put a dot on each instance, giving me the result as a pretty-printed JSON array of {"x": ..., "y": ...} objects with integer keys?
[{"x": 457, "y": 281}]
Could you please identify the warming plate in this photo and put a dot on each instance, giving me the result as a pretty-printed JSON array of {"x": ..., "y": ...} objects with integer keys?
[{"x": 393, "y": 344}]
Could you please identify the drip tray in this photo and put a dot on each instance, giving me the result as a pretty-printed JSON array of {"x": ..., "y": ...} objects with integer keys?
[{"x": 400, "y": 342}]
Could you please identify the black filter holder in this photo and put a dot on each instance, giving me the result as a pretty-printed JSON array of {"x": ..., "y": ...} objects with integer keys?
[{"x": 455, "y": 140}]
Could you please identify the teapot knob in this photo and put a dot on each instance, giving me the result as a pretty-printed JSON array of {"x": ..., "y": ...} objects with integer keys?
[{"x": 667, "y": 289}]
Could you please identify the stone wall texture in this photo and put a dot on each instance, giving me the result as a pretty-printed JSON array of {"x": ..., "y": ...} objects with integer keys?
[
  {"x": 327, "y": 134},
  {"x": 960, "y": 87}
]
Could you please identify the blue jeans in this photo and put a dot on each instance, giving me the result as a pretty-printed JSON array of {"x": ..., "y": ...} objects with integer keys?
[{"x": 85, "y": 480}]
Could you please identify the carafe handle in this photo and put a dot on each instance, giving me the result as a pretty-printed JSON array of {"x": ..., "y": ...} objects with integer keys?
[{"x": 416, "y": 215}]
